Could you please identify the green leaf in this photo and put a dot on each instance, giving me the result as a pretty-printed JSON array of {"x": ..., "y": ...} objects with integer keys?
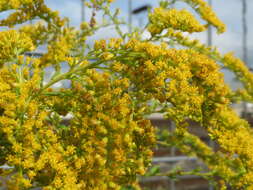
[{"x": 153, "y": 171}]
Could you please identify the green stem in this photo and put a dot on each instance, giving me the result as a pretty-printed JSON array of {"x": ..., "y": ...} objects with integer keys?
[
  {"x": 163, "y": 143},
  {"x": 67, "y": 74},
  {"x": 115, "y": 21},
  {"x": 184, "y": 173}
]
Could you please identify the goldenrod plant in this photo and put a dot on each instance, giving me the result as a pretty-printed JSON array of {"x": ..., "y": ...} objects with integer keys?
[{"x": 115, "y": 85}]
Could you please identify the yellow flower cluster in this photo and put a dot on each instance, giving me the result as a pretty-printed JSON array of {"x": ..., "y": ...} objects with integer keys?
[
  {"x": 13, "y": 4},
  {"x": 98, "y": 3},
  {"x": 102, "y": 146},
  {"x": 241, "y": 71},
  {"x": 232, "y": 63},
  {"x": 38, "y": 33},
  {"x": 59, "y": 50},
  {"x": 107, "y": 140},
  {"x": 12, "y": 44},
  {"x": 182, "y": 20},
  {"x": 27, "y": 10},
  {"x": 232, "y": 134},
  {"x": 190, "y": 86},
  {"x": 207, "y": 14}
]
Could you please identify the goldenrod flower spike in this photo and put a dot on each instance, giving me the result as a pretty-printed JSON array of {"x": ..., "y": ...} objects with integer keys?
[
  {"x": 113, "y": 86},
  {"x": 207, "y": 14},
  {"x": 182, "y": 20}
]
